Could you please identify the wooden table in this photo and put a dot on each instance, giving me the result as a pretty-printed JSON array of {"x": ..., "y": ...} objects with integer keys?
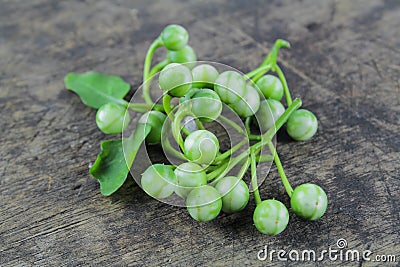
[{"x": 344, "y": 63}]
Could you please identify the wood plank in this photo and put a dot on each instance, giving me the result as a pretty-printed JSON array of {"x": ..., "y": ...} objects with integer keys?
[{"x": 344, "y": 64}]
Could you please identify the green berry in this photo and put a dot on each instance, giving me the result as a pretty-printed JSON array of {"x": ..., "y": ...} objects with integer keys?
[
  {"x": 230, "y": 86},
  {"x": 174, "y": 37},
  {"x": 270, "y": 110},
  {"x": 271, "y": 87},
  {"x": 309, "y": 201},
  {"x": 185, "y": 56},
  {"x": 189, "y": 175},
  {"x": 201, "y": 147},
  {"x": 248, "y": 104},
  {"x": 271, "y": 217},
  {"x": 204, "y": 76},
  {"x": 112, "y": 118},
  {"x": 206, "y": 105},
  {"x": 158, "y": 181},
  {"x": 302, "y": 125},
  {"x": 175, "y": 79},
  {"x": 156, "y": 120},
  {"x": 234, "y": 192},
  {"x": 204, "y": 203}
]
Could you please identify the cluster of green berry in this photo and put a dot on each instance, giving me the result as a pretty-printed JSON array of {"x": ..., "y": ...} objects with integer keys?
[{"x": 203, "y": 179}]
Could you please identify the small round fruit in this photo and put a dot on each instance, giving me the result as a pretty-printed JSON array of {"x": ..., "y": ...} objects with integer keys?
[
  {"x": 206, "y": 105},
  {"x": 201, "y": 147},
  {"x": 185, "y": 56},
  {"x": 309, "y": 201},
  {"x": 174, "y": 37},
  {"x": 112, "y": 118},
  {"x": 271, "y": 87},
  {"x": 175, "y": 79},
  {"x": 230, "y": 86},
  {"x": 234, "y": 192},
  {"x": 302, "y": 125},
  {"x": 204, "y": 203},
  {"x": 189, "y": 175},
  {"x": 156, "y": 120},
  {"x": 248, "y": 104},
  {"x": 270, "y": 110},
  {"x": 204, "y": 76},
  {"x": 271, "y": 217},
  {"x": 158, "y": 181}
]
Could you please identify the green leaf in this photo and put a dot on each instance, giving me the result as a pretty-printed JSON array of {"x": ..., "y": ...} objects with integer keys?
[
  {"x": 96, "y": 89},
  {"x": 112, "y": 166}
]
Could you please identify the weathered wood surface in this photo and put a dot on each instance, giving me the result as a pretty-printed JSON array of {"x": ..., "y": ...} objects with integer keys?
[{"x": 344, "y": 63}]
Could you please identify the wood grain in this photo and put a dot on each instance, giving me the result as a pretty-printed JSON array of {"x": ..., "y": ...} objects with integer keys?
[{"x": 344, "y": 64}]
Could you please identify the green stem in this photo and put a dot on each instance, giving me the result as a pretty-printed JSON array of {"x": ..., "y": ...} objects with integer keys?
[
  {"x": 273, "y": 54},
  {"x": 229, "y": 152},
  {"x": 267, "y": 137},
  {"x": 185, "y": 131},
  {"x": 158, "y": 107},
  {"x": 146, "y": 71},
  {"x": 264, "y": 158},
  {"x": 123, "y": 103},
  {"x": 176, "y": 126},
  {"x": 212, "y": 168},
  {"x": 254, "y": 183},
  {"x": 232, "y": 124},
  {"x": 255, "y": 137},
  {"x": 244, "y": 169},
  {"x": 215, "y": 173},
  {"x": 158, "y": 67},
  {"x": 272, "y": 131},
  {"x": 167, "y": 106},
  {"x": 260, "y": 69},
  {"x": 167, "y": 146},
  {"x": 199, "y": 124},
  {"x": 247, "y": 125},
  {"x": 139, "y": 107},
  {"x": 269, "y": 62},
  {"x": 263, "y": 71},
  {"x": 285, "y": 86},
  {"x": 146, "y": 85},
  {"x": 285, "y": 181},
  {"x": 189, "y": 94},
  {"x": 232, "y": 163},
  {"x": 143, "y": 107}
]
